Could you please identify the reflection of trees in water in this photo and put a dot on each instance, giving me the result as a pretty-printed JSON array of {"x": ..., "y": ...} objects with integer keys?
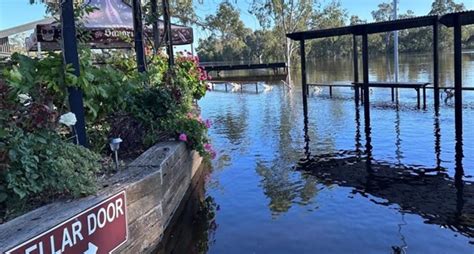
[
  {"x": 192, "y": 229},
  {"x": 279, "y": 181},
  {"x": 233, "y": 125},
  {"x": 205, "y": 225},
  {"x": 284, "y": 187}
]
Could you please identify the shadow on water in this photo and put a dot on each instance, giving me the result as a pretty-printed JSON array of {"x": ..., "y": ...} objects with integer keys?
[
  {"x": 192, "y": 228},
  {"x": 428, "y": 192}
]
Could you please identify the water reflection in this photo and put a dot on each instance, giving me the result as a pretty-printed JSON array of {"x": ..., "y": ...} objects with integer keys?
[
  {"x": 429, "y": 192},
  {"x": 192, "y": 229}
]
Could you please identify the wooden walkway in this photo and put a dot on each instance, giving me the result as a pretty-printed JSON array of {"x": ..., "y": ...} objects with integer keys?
[{"x": 232, "y": 67}]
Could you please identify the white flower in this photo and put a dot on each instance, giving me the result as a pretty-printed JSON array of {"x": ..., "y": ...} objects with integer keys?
[
  {"x": 24, "y": 98},
  {"x": 68, "y": 119}
]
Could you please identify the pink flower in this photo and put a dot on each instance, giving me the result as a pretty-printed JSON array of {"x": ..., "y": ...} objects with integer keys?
[
  {"x": 208, "y": 147},
  {"x": 183, "y": 137},
  {"x": 208, "y": 123},
  {"x": 190, "y": 115},
  {"x": 213, "y": 154}
]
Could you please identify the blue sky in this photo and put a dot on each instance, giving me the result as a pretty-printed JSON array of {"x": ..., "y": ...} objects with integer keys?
[{"x": 17, "y": 12}]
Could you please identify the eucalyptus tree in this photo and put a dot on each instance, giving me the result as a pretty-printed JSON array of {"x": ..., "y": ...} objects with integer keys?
[
  {"x": 284, "y": 16},
  {"x": 330, "y": 16},
  {"x": 228, "y": 33}
]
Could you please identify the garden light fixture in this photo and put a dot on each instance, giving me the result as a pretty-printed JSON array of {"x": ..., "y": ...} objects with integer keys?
[{"x": 115, "y": 146}]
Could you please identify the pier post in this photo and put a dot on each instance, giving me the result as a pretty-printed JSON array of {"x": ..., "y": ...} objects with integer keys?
[
  {"x": 356, "y": 69},
  {"x": 458, "y": 109},
  {"x": 436, "y": 64},
  {"x": 458, "y": 77},
  {"x": 303, "y": 80},
  {"x": 365, "y": 85}
]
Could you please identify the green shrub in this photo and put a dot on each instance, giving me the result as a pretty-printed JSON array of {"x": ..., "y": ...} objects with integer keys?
[{"x": 37, "y": 162}]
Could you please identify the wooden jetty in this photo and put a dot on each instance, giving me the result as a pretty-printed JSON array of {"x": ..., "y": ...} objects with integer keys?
[
  {"x": 454, "y": 20},
  {"x": 232, "y": 67}
]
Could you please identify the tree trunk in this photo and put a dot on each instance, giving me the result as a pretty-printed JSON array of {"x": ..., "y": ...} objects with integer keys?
[{"x": 288, "y": 61}]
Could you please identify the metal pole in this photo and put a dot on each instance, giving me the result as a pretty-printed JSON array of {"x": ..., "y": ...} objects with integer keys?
[
  {"x": 458, "y": 78},
  {"x": 436, "y": 64},
  {"x": 303, "y": 80},
  {"x": 356, "y": 69},
  {"x": 138, "y": 35},
  {"x": 168, "y": 35},
  {"x": 71, "y": 57},
  {"x": 365, "y": 68},
  {"x": 156, "y": 30},
  {"x": 395, "y": 45}
]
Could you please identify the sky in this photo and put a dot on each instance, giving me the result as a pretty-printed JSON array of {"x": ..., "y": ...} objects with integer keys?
[{"x": 17, "y": 12}]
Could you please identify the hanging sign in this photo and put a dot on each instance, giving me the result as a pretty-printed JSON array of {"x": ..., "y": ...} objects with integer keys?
[{"x": 98, "y": 230}]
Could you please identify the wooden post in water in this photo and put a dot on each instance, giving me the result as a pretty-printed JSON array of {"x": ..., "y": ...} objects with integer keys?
[
  {"x": 71, "y": 57},
  {"x": 138, "y": 35},
  {"x": 303, "y": 80},
  {"x": 436, "y": 65},
  {"x": 365, "y": 85},
  {"x": 356, "y": 69},
  {"x": 458, "y": 77}
]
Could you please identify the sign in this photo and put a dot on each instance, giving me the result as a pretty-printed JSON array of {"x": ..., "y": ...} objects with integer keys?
[{"x": 98, "y": 230}]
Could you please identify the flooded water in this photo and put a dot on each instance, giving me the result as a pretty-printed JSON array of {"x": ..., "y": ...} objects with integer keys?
[{"x": 400, "y": 185}]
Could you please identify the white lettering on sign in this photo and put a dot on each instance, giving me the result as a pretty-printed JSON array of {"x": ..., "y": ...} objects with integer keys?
[{"x": 85, "y": 233}]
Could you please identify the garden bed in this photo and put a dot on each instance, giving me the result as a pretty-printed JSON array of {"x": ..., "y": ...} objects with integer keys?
[{"x": 155, "y": 184}]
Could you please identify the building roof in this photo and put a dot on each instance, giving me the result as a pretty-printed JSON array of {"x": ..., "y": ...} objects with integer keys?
[
  {"x": 466, "y": 18},
  {"x": 25, "y": 27}
]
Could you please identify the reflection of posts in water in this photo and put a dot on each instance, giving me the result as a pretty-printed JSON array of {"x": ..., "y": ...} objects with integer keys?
[
  {"x": 307, "y": 153},
  {"x": 437, "y": 134},
  {"x": 398, "y": 140},
  {"x": 458, "y": 176},
  {"x": 358, "y": 144}
]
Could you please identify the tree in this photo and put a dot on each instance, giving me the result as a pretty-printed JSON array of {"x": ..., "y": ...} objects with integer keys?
[
  {"x": 226, "y": 22},
  {"x": 330, "y": 16},
  {"x": 228, "y": 36},
  {"x": 441, "y": 7},
  {"x": 284, "y": 16}
]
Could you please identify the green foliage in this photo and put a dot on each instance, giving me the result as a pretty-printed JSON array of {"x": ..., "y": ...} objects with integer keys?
[
  {"x": 277, "y": 18},
  {"x": 35, "y": 160},
  {"x": 195, "y": 130},
  {"x": 41, "y": 162}
]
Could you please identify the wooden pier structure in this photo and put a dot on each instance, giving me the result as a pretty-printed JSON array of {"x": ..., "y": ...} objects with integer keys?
[
  {"x": 279, "y": 69},
  {"x": 361, "y": 88}
]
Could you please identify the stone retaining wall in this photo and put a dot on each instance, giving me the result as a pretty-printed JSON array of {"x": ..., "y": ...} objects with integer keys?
[{"x": 155, "y": 183}]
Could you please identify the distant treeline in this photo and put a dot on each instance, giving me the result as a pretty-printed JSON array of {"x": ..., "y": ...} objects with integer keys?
[{"x": 230, "y": 40}]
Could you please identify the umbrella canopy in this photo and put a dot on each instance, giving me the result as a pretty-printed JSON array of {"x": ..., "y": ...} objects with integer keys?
[{"x": 111, "y": 26}]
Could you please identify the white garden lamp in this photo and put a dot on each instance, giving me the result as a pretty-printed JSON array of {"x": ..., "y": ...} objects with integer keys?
[{"x": 115, "y": 146}]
